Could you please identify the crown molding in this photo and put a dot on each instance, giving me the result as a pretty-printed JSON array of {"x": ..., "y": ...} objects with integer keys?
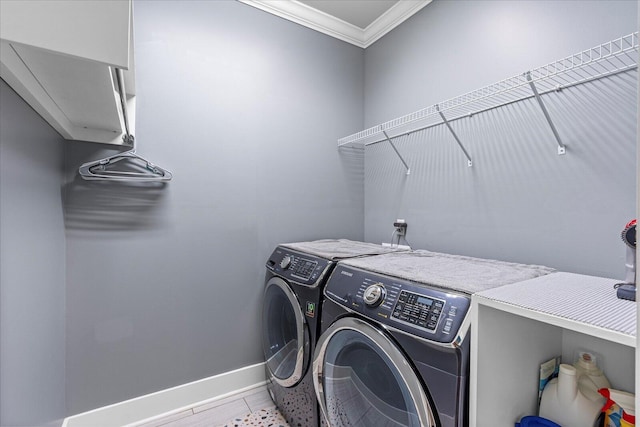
[
  {"x": 302, "y": 14},
  {"x": 309, "y": 17},
  {"x": 396, "y": 15}
]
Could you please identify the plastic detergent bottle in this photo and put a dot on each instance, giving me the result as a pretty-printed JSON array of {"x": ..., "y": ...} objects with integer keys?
[
  {"x": 563, "y": 402},
  {"x": 619, "y": 411},
  {"x": 590, "y": 377}
]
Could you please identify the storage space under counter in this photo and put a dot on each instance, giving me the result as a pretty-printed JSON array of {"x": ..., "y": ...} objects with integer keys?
[{"x": 517, "y": 327}]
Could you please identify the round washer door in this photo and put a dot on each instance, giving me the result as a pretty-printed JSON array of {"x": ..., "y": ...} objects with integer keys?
[
  {"x": 285, "y": 334},
  {"x": 363, "y": 380}
]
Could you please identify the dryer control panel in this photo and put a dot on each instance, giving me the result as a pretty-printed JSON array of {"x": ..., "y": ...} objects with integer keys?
[
  {"x": 298, "y": 267},
  {"x": 432, "y": 313}
]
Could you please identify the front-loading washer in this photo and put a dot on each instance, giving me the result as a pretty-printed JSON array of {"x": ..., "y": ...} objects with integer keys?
[
  {"x": 295, "y": 278},
  {"x": 394, "y": 344}
]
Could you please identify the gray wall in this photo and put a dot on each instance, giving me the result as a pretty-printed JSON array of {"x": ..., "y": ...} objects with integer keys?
[
  {"x": 520, "y": 201},
  {"x": 32, "y": 268},
  {"x": 165, "y": 284}
]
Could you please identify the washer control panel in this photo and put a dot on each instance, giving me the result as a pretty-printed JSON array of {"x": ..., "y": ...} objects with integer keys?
[
  {"x": 298, "y": 267},
  {"x": 419, "y": 309}
]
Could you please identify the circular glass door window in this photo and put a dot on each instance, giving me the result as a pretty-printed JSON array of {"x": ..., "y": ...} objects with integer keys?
[
  {"x": 283, "y": 334},
  {"x": 364, "y": 387}
]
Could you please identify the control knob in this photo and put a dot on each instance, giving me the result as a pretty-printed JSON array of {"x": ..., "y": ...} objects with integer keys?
[
  {"x": 374, "y": 295},
  {"x": 286, "y": 262}
]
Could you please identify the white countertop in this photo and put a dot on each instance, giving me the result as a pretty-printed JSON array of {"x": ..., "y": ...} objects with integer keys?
[{"x": 578, "y": 302}]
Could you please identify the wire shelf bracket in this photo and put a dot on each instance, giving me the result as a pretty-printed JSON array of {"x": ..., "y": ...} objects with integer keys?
[
  {"x": 561, "y": 148},
  {"x": 455, "y": 136},
  {"x": 608, "y": 59},
  {"x": 397, "y": 152}
]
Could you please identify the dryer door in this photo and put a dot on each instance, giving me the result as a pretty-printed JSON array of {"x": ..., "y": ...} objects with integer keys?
[
  {"x": 363, "y": 380},
  {"x": 285, "y": 334}
]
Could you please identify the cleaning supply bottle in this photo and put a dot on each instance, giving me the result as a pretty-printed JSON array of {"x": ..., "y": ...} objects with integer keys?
[
  {"x": 562, "y": 401},
  {"x": 619, "y": 411},
  {"x": 590, "y": 377}
]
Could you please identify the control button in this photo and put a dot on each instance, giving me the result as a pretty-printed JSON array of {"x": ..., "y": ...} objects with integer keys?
[
  {"x": 447, "y": 325},
  {"x": 452, "y": 311},
  {"x": 286, "y": 262},
  {"x": 396, "y": 314},
  {"x": 413, "y": 320},
  {"x": 399, "y": 306},
  {"x": 349, "y": 298},
  {"x": 422, "y": 323},
  {"x": 431, "y": 325},
  {"x": 403, "y": 317},
  {"x": 374, "y": 295},
  {"x": 433, "y": 318}
]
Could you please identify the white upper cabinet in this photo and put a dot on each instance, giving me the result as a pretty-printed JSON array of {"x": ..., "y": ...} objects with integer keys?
[{"x": 61, "y": 55}]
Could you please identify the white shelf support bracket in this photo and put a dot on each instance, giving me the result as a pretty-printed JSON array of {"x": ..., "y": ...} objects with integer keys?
[
  {"x": 397, "y": 152},
  {"x": 446, "y": 122},
  {"x": 561, "y": 147}
]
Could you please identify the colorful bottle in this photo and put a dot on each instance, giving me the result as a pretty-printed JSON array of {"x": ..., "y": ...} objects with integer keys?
[{"x": 619, "y": 411}]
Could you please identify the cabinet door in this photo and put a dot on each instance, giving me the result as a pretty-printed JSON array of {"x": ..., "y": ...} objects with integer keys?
[
  {"x": 60, "y": 56},
  {"x": 95, "y": 30}
]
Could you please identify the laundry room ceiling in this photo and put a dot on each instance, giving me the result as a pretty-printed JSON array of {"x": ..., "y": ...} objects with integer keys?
[{"x": 359, "y": 22}]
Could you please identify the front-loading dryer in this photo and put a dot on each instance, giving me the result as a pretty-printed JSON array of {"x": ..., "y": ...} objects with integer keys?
[
  {"x": 394, "y": 343},
  {"x": 294, "y": 281}
]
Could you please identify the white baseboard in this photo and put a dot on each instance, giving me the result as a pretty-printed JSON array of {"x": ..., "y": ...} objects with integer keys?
[{"x": 171, "y": 400}]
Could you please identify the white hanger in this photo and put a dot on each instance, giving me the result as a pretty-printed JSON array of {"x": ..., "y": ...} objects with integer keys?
[{"x": 138, "y": 169}]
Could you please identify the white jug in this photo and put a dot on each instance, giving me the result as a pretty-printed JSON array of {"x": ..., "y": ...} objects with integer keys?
[
  {"x": 590, "y": 377},
  {"x": 563, "y": 403}
]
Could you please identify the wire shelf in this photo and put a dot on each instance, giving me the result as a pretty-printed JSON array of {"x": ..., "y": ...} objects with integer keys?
[{"x": 609, "y": 58}]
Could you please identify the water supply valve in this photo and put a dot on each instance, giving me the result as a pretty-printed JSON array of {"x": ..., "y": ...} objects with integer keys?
[{"x": 401, "y": 227}]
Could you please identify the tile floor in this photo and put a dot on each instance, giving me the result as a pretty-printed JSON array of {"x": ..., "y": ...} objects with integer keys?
[{"x": 250, "y": 408}]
